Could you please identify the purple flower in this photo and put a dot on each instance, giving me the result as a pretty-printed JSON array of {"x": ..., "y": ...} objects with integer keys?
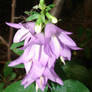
[
  {"x": 25, "y": 31},
  {"x": 58, "y": 42},
  {"x": 35, "y": 52},
  {"x": 40, "y": 74},
  {"x": 41, "y": 51}
]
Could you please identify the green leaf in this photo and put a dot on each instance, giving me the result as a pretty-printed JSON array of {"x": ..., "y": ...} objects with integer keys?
[
  {"x": 18, "y": 51},
  {"x": 15, "y": 45},
  {"x": 19, "y": 66},
  {"x": 33, "y": 17},
  {"x": 49, "y": 7},
  {"x": 71, "y": 86},
  {"x": 17, "y": 87},
  {"x": 75, "y": 71},
  {"x": 30, "y": 12},
  {"x": 1, "y": 87},
  {"x": 7, "y": 70},
  {"x": 15, "y": 49},
  {"x": 12, "y": 77},
  {"x": 45, "y": 90}
]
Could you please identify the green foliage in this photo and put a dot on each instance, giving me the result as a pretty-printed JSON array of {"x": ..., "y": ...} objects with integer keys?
[
  {"x": 7, "y": 70},
  {"x": 17, "y": 87},
  {"x": 19, "y": 66},
  {"x": 45, "y": 90},
  {"x": 71, "y": 86},
  {"x": 33, "y": 17},
  {"x": 15, "y": 48},
  {"x": 49, "y": 7},
  {"x": 16, "y": 45},
  {"x": 12, "y": 77},
  {"x": 75, "y": 71},
  {"x": 1, "y": 87},
  {"x": 8, "y": 73}
]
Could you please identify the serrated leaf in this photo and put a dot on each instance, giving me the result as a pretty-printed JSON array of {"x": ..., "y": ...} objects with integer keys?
[
  {"x": 17, "y": 87},
  {"x": 71, "y": 86},
  {"x": 33, "y": 17}
]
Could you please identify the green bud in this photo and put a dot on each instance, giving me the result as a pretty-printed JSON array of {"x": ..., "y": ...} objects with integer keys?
[
  {"x": 52, "y": 18},
  {"x": 38, "y": 26},
  {"x": 42, "y": 2},
  {"x": 42, "y": 5}
]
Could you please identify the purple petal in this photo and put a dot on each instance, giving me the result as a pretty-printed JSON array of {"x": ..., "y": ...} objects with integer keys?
[
  {"x": 43, "y": 57},
  {"x": 52, "y": 29},
  {"x": 55, "y": 46},
  {"x": 20, "y": 35},
  {"x": 52, "y": 76},
  {"x": 41, "y": 82},
  {"x": 75, "y": 48},
  {"x": 51, "y": 62},
  {"x": 30, "y": 26},
  {"x": 28, "y": 66},
  {"x": 26, "y": 82},
  {"x": 16, "y": 62},
  {"x": 66, "y": 40},
  {"x": 14, "y": 25},
  {"x": 66, "y": 53}
]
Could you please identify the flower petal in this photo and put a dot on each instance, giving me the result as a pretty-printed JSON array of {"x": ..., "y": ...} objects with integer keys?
[
  {"x": 66, "y": 53},
  {"x": 41, "y": 82},
  {"x": 20, "y": 35},
  {"x": 14, "y": 25},
  {"x": 50, "y": 74},
  {"x": 55, "y": 46},
  {"x": 16, "y": 62},
  {"x": 66, "y": 40},
  {"x": 30, "y": 26}
]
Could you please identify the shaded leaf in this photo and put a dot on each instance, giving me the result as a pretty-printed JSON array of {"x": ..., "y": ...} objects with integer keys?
[
  {"x": 19, "y": 66},
  {"x": 71, "y": 86},
  {"x": 75, "y": 71},
  {"x": 17, "y": 87},
  {"x": 16, "y": 45},
  {"x": 7, "y": 70},
  {"x": 17, "y": 51},
  {"x": 33, "y": 17},
  {"x": 12, "y": 77},
  {"x": 1, "y": 87}
]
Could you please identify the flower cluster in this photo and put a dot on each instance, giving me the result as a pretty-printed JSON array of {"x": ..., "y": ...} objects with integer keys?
[{"x": 41, "y": 49}]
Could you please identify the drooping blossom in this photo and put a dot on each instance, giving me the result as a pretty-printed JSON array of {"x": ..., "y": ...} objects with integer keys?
[
  {"x": 25, "y": 31},
  {"x": 41, "y": 74},
  {"x": 41, "y": 51},
  {"x": 35, "y": 52},
  {"x": 58, "y": 42}
]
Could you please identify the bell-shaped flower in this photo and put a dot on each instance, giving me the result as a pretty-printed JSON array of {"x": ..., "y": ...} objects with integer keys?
[
  {"x": 25, "y": 31},
  {"x": 40, "y": 74},
  {"x": 58, "y": 42},
  {"x": 35, "y": 52}
]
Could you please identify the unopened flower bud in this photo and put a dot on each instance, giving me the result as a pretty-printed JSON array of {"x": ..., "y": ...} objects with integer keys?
[
  {"x": 52, "y": 18},
  {"x": 38, "y": 28}
]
